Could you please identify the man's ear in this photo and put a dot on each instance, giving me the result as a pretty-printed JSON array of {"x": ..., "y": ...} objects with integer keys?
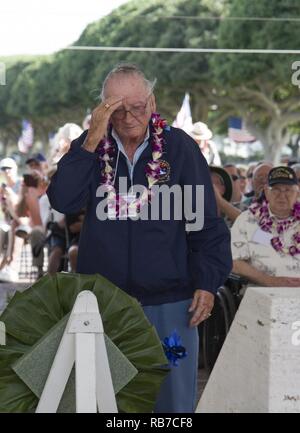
[{"x": 153, "y": 104}]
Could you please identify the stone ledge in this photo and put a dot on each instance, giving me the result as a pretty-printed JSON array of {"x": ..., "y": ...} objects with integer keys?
[{"x": 258, "y": 368}]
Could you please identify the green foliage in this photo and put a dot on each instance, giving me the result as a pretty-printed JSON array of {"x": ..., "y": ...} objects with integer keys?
[
  {"x": 60, "y": 84},
  {"x": 232, "y": 69},
  {"x": 52, "y": 90}
]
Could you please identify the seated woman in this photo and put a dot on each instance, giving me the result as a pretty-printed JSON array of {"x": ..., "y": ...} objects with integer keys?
[{"x": 265, "y": 239}]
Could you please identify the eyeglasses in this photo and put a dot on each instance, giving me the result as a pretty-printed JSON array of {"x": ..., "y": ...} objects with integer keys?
[
  {"x": 137, "y": 110},
  {"x": 277, "y": 191},
  {"x": 5, "y": 168},
  {"x": 234, "y": 177}
]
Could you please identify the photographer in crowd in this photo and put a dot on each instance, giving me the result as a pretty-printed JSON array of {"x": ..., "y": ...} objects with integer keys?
[
  {"x": 33, "y": 203},
  {"x": 37, "y": 162},
  {"x": 10, "y": 246}
]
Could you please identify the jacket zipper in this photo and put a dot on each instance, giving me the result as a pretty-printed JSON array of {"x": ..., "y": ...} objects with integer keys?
[
  {"x": 129, "y": 258},
  {"x": 129, "y": 225}
]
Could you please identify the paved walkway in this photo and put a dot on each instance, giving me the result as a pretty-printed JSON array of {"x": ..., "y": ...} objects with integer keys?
[
  {"x": 7, "y": 291},
  {"x": 27, "y": 275}
]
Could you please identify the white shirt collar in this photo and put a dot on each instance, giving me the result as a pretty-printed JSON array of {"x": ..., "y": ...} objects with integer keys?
[{"x": 120, "y": 144}]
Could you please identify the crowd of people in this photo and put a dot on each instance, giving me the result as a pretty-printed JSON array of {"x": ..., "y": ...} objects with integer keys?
[
  {"x": 261, "y": 206},
  {"x": 27, "y": 216}
]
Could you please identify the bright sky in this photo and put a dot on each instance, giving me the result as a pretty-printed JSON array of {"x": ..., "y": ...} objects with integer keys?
[{"x": 45, "y": 26}]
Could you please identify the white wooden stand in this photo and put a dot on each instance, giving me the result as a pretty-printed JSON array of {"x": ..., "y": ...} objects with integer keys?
[{"x": 83, "y": 343}]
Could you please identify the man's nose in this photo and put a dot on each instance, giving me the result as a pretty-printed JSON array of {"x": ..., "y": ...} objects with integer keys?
[
  {"x": 127, "y": 113},
  {"x": 128, "y": 116}
]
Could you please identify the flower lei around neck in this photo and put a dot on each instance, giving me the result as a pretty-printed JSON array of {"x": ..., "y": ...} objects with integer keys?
[
  {"x": 271, "y": 224},
  {"x": 106, "y": 151}
]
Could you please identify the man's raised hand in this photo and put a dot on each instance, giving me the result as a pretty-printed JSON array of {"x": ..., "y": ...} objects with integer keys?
[{"x": 99, "y": 121}]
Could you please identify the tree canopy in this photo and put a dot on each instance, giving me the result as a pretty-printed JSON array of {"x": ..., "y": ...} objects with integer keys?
[
  {"x": 52, "y": 90},
  {"x": 258, "y": 86}
]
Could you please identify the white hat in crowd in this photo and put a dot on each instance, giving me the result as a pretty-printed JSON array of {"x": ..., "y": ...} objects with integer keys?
[
  {"x": 68, "y": 132},
  {"x": 60, "y": 143},
  {"x": 8, "y": 163},
  {"x": 200, "y": 131}
]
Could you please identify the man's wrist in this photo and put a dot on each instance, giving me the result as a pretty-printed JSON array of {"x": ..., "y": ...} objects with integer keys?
[
  {"x": 268, "y": 281},
  {"x": 90, "y": 143}
]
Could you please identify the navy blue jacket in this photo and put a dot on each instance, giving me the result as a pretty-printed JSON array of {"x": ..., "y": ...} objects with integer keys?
[{"x": 156, "y": 262}]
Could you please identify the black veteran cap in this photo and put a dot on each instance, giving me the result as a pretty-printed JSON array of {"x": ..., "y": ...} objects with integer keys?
[
  {"x": 226, "y": 180},
  {"x": 282, "y": 174}
]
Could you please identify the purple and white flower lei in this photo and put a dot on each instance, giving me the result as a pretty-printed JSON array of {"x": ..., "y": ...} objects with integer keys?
[
  {"x": 270, "y": 224},
  {"x": 106, "y": 151}
]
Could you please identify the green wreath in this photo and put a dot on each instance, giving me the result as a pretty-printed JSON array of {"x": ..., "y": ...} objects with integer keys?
[{"x": 31, "y": 314}]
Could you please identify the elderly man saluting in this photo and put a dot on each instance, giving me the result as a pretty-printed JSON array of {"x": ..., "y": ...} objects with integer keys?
[{"x": 173, "y": 272}]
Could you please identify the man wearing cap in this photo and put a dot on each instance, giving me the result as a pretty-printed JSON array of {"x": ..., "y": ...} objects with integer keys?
[
  {"x": 265, "y": 239},
  {"x": 37, "y": 162},
  {"x": 259, "y": 180},
  {"x": 203, "y": 135},
  {"x": 9, "y": 168}
]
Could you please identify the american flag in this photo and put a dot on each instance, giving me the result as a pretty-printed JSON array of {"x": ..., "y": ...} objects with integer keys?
[
  {"x": 184, "y": 116},
  {"x": 26, "y": 140},
  {"x": 237, "y": 131}
]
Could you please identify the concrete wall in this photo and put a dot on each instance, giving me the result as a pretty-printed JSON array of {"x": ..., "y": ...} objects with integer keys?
[{"x": 258, "y": 368}]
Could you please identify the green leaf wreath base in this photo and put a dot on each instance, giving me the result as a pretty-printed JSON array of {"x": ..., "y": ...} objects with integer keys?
[{"x": 31, "y": 314}]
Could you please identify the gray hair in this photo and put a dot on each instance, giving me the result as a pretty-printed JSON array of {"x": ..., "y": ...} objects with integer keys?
[
  {"x": 296, "y": 168},
  {"x": 127, "y": 69}
]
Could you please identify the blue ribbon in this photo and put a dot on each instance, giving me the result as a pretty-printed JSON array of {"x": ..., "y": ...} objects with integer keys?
[{"x": 174, "y": 349}]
